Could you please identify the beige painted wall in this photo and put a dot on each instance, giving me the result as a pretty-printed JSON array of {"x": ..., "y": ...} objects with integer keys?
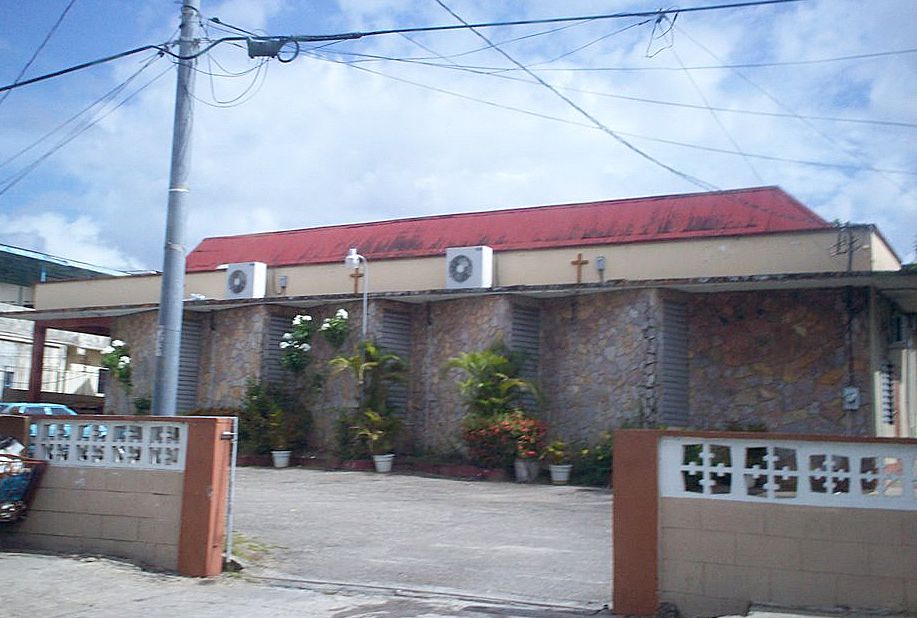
[
  {"x": 133, "y": 514},
  {"x": 734, "y": 256},
  {"x": 716, "y": 556}
]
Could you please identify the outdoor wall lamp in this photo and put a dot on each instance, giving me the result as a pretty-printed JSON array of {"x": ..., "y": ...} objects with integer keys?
[{"x": 352, "y": 261}]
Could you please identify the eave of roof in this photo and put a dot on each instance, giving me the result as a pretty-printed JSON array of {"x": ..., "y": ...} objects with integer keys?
[{"x": 900, "y": 285}]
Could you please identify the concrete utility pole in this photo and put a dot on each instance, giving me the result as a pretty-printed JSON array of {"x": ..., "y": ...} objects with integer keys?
[{"x": 168, "y": 335}]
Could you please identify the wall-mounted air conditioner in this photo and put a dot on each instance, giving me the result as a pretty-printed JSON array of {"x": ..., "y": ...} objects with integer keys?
[
  {"x": 469, "y": 267},
  {"x": 246, "y": 280}
]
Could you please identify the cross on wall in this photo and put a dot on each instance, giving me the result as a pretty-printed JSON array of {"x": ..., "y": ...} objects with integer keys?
[
  {"x": 356, "y": 275},
  {"x": 579, "y": 262}
]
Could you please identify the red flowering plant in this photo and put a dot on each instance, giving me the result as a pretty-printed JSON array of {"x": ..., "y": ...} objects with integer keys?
[{"x": 496, "y": 441}]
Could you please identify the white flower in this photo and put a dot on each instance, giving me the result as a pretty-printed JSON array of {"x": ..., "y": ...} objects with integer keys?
[
  {"x": 287, "y": 336},
  {"x": 341, "y": 313},
  {"x": 124, "y": 361},
  {"x": 305, "y": 347},
  {"x": 117, "y": 343},
  {"x": 325, "y": 325},
  {"x": 284, "y": 345},
  {"x": 297, "y": 320},
  {"x": 307, "y": 318},
  {"x": 108, "y": 350}
]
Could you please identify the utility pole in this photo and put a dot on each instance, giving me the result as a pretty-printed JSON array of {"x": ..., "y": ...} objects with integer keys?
[{"x": 168, "y": 334}]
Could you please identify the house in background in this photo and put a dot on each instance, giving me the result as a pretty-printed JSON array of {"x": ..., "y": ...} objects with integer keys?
[
  {"x": 71, "y": 365},
  {"x": 709, "y": 310}
]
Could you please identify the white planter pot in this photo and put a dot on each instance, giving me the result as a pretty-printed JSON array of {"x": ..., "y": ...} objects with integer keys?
[
  {"x": 384, "y": 462},
  {"x": 526, "y": 470},
  {"x": 560, "y": 473},
  {"x": 281, "y": 458}
]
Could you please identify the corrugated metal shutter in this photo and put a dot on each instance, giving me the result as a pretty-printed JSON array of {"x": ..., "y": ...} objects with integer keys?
[
  {"x": 525, "y": 338},
  {"x": 271, "y": 369},
  {"x": 395, "y": 337},
  {"x": 673, "y": 365},
  {"x": 188, "y": 366}
]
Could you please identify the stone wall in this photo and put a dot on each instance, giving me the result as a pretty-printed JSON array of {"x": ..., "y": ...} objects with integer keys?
[
  {"x": 138, "y": 331},
  {"x": 597, "y": 361},
  {"x": 443, "y": 330},
  {"x": 232, "y": 344},
  {"x": 777, "y": 358}
]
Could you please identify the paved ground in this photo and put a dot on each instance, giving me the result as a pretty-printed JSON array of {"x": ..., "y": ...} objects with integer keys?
[
  {"x": 502, "y": 541},
  {"x": 55, "y": 587}
]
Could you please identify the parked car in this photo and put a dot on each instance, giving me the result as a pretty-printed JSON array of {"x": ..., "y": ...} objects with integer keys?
[{"x": 36, "y": 409}]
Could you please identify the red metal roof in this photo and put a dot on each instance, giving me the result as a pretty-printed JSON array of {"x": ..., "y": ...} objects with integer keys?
[{"x": 675, "y": 217}]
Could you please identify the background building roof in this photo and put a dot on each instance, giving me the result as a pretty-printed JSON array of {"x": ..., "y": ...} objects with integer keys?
[
  {"x": 25, "y": 267},
  {"x": 675, "y": 217}
]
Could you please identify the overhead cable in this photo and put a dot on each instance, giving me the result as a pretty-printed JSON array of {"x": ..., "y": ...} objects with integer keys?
[
  {"x": 595, "y": 121},
  {"x": 359, "y": 35},
  {"x": 41, "y": 46}
]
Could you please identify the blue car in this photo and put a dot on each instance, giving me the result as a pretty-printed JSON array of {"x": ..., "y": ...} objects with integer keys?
[{"x": 36, "y": 409}]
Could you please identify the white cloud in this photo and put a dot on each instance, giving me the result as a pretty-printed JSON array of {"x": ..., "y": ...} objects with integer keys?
[
  {"x": 323, "y": 143},
  {"x": 78, "y": 239}
]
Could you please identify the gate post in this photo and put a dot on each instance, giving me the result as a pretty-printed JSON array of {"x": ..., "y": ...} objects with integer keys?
[{"x": 635, "y": 522}]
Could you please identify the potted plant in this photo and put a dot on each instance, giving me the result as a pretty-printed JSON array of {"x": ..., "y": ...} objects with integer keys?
[
  {"x": 374, "y": 431},
  {"x": 529, "y": 435},
  {"x": 558, "y": 459},
  {"x": 278, "y": 436}
]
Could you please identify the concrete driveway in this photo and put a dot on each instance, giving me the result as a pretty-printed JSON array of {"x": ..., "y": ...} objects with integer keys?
[{"x": 506, "y": 541}]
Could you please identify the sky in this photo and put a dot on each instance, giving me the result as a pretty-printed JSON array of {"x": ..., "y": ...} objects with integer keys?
[{"x": 431, "y": 123}]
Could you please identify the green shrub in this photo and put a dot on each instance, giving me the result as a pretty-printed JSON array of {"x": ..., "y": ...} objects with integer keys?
[{"x": 592, "y": 465}]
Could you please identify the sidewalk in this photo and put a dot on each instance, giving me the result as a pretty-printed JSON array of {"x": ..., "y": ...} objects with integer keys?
[{"x": 57, "y": 586}]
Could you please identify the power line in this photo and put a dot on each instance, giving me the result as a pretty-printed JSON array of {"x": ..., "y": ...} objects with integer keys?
[
  {"x": 595, "y": 121},
  {"x": 40, "y": 47},
  {"x": 747, "y": 65},
  {"x": 86, "y": 65},
  {"x": 502, "y": 74},
  {"x": 359, "y": 35},
  {"x": 13, "y": 180},
  {"x": 784, "y": 106},
  {"x": 716, "y": 117},
  {"x": 586, "y": 125},
  {"x": 104, "y": 98}
]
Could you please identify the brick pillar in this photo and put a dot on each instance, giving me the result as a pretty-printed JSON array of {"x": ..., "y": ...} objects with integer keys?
[
  {"x": 635, "y": 524},
  {"x": 203, "y": 511}
]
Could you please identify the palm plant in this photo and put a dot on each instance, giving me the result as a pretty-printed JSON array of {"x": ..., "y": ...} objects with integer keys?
[
  {"x": 490, "y": 386},
  {"x": 373, "y": 370}
]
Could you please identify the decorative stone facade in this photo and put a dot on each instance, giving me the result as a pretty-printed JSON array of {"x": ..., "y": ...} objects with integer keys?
[
  {"x": 772, "y": 358},
  {"x": 138, "y": 331},
  {"x": 597, "y": 362},
  {"x": 442, "y": 331},
  {"x": 232, "y": 345},
  {"x": 778, "y": 358}
]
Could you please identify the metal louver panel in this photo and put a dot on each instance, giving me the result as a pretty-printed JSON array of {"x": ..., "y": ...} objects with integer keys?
[
  {"x": 673, "y": 365},
  {"x": 525, "y": 338},
  {"x": 271, "y": 369},
  {"x": 188, "y": 366},
  {"x": 395, "y": 337}
]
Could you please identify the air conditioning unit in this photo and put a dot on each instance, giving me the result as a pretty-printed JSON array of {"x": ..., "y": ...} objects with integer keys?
[
  {"x": 246, "y": 280},
  {"x": 469, "y": 267}
]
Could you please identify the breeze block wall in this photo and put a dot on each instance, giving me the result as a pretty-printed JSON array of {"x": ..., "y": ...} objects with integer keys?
[
  {"x": 714, "y": 522},
  {"x": 150, "y": 491}
]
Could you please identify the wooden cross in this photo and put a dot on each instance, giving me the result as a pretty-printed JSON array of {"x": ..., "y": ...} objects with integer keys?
[
  {"x": 356, "y": 275},
  {"x": 579, "y": 262}
]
